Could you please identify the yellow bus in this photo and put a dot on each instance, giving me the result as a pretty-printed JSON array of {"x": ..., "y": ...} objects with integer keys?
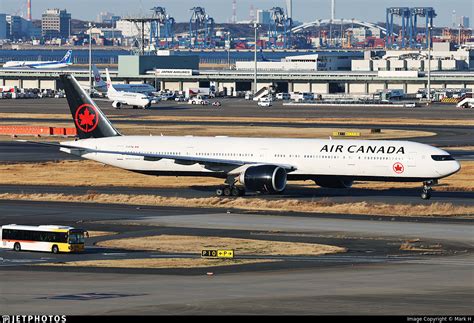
[{"x": 50, "y": 238}]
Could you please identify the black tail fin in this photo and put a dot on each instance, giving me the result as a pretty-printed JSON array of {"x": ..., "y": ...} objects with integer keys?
[{"x": 89, "y": 120}]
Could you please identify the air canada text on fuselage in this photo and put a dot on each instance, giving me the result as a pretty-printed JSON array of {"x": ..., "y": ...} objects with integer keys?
[{"x": 362, "y": 149}]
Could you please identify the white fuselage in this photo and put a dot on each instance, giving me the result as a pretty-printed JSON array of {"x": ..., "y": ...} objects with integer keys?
[
  {"x": 360, "y": 159},
  {"x": 128, "y": 98},
  {"x": 133, "y": 88},
  {"x": 36, "y": 64}
]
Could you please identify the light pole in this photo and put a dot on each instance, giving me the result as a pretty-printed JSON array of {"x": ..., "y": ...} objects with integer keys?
[
  {"x": 342, "y": 32},
  {"x": 255, "y": 26},
  {"x": 459, "y": 36},
  {"x": 90, "y": 57},
  {"x": 428, "y": 95},
  {"x": 228, "y": 49}
]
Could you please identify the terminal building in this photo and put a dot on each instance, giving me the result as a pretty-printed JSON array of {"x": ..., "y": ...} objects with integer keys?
[
  {"x": 323, "y": 61},
  {"x": 442, "y": 59}
]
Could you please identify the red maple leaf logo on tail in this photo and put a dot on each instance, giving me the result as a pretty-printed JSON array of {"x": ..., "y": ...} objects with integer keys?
[{"x": 86, "y": 118}]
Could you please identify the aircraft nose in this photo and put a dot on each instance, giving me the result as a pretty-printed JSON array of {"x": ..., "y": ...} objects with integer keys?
[
  {"x": 456, "y": 166},
  {"x": 448, "y": 169},
  {"x": 453, "y": 168}
]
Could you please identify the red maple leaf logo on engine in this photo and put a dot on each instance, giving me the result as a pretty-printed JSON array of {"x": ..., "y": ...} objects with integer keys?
[{"x": 86, "y": 118}]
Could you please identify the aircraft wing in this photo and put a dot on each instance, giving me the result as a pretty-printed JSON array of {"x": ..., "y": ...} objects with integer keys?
[{"x": 214, "y": 164}]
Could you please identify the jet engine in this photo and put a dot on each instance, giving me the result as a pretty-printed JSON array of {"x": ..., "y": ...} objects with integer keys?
[
  {"x": 264, "y": 178},
  {"x": 333, "y": 182},
  {"x": 116, "y": 104}
]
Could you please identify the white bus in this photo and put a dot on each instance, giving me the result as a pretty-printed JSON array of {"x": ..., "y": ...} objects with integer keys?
[{"x": 50, "y": 238}]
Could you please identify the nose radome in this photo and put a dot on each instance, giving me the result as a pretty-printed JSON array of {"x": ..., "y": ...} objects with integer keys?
[
  {"x": 457, "y": 166},
  {"x": 453, "y": 168}
]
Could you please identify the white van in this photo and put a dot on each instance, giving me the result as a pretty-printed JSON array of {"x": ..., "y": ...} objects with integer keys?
[
  {"x": 266, "y": 101},
  {"x": 283, "y": 96},
  {"x": 301, "y": 97}
]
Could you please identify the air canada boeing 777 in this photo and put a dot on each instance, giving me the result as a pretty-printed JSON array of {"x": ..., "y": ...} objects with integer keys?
[{"x": 252, "y": 164}]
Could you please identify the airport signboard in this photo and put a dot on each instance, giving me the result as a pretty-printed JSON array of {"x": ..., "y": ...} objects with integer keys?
[
  {"x": 214, "y": 253},
  {"x": 175, "y": 72},
  {"x": 346, "y": 134}
]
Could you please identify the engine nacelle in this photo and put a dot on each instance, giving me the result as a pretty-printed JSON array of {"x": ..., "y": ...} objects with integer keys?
[
  {"x": 116, "y": 104},
  {"x": 333, "y": 182},
  {"x": 264, "y": 178}
]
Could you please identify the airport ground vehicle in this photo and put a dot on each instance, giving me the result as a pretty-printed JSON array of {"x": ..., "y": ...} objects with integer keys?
[
  {"x": 392, "y": 94},
  {"x": 50, "y": 238},
  {"x": 265, "y": 102},
  {"x": 199, "y": 99},
  {"x": 216, "y": 104},
  {"x": 300, "y": 97},
  {"x": 283, "y": 96},
  {"x": 167, "y": 96},
  {"x": 263, "y": 92},
  {"x": 467, "y": 101}
]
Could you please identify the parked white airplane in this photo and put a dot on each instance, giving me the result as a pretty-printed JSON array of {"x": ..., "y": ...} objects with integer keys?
[
  {"x": 254, "y": 164},
  {"x": 101, "y": 85},
  {"x": 120, "y": 98},
  {"x": 64, "y": 62}
]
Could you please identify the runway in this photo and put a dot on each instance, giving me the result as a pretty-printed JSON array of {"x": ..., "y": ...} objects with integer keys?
[{"x": 374, "y": 277}]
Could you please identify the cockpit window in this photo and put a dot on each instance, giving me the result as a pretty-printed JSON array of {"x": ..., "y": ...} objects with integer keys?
[{"x": 442, "y": 157}]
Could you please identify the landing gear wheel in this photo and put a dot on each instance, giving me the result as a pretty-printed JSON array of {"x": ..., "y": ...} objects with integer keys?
[
  {"x": 227, "y": 191},
  {"x": 219, "y": 192},
  {"x": 235, "y": 191},
  {"x": 426, "y": 195}
]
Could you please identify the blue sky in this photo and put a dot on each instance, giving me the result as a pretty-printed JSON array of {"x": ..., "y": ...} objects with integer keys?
[{"x": 221, "y": 10}]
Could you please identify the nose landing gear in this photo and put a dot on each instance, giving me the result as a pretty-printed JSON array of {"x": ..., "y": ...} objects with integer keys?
[{"x": 427, "y": 189}]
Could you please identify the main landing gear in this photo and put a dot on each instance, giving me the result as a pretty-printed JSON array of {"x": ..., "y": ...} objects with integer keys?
[
  {"x": 227, "y": 190},
  {"x": 230, "y": 189},
  {"x": 426, "y": 193}
]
